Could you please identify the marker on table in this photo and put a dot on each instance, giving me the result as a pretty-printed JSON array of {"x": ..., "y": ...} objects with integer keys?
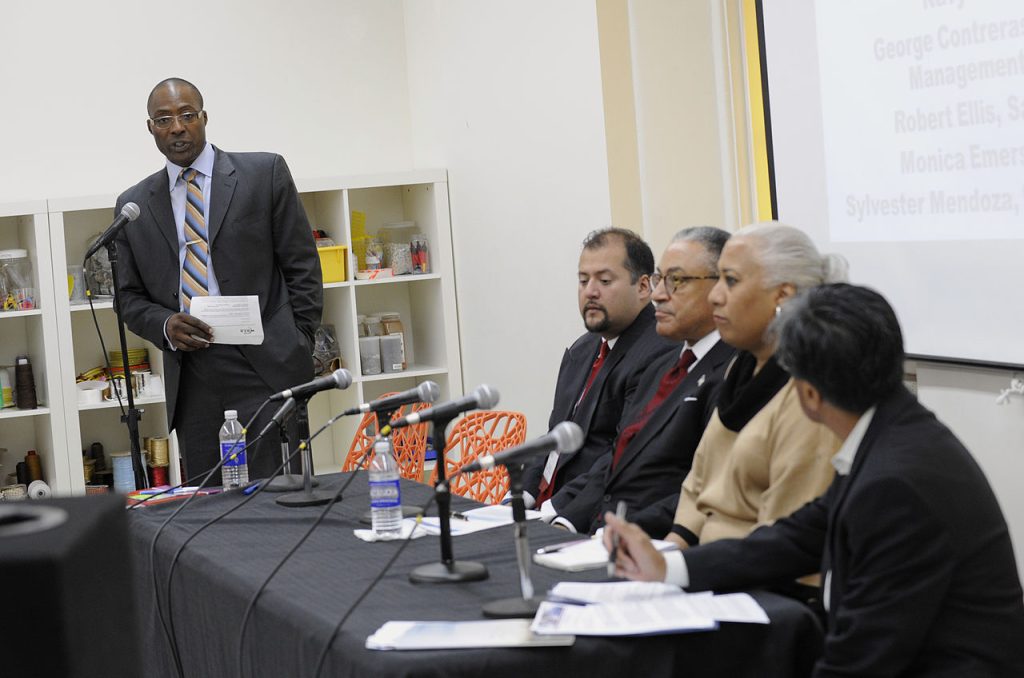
[{"x": 620, "y": 513}]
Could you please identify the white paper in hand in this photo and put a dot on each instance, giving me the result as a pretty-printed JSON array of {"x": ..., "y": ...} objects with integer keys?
[{"x": 234, "y": 320}]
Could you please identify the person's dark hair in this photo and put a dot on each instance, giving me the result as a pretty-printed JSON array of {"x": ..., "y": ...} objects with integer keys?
[
  {"x": 181, "y": 82},
  {"x": 639, "y": 258},
  {"x": 845, "y": 341},
  {"x": 713, "y": 239}
]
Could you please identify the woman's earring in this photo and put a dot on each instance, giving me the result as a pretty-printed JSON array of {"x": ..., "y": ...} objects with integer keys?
[{"x": 778, "y": 310}]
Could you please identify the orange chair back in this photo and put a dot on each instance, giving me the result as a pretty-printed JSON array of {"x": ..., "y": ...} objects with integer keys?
[
  {"x": 477, "y": 434},
  {"x": 410, "y": 443}
]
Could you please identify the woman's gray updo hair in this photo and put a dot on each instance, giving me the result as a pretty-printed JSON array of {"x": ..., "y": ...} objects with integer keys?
[{"x": 787, "y": 255}]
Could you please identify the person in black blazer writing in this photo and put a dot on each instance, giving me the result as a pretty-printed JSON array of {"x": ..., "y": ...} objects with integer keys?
[
  {"x": 919, "y": 576},
  {"x": 217, "y": 223},
  {"x": 601, "y": 371}
]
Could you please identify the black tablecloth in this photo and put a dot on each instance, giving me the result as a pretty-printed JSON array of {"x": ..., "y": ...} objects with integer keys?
[{"x": 221, "y": 568}]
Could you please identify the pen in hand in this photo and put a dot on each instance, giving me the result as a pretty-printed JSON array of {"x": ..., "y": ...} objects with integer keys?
[{"x": 620, "y": 513}]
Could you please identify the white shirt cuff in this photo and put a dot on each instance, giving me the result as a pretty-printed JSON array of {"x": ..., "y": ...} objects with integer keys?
[
  {"x": 166, "y": 338},
  {"x": 675, "y": 569},
  {"x": 529, "y": 500},
  {"x": 547, "y": 511},
  {"x": 559, "y": 520}
]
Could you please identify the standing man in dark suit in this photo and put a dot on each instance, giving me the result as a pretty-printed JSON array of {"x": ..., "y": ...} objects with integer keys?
[
  {"x": 919, "y": 577},
  {"x": 217, "y": 223},
  {"x": 653, "y": 452},
  {"x": 601, "y": 370}
]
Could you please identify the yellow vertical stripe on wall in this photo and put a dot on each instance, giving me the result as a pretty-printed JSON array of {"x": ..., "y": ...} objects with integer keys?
[{"x": 759, "y": 142}]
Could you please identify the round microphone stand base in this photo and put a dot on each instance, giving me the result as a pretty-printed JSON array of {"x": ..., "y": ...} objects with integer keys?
[
  {"x": 286, "y": 482},
  {"x": 307, "y": 498},
  {"x": 513, "y": 608},
  {"x": 441, "y": 573},
  {"x": 407, "y": 512}
]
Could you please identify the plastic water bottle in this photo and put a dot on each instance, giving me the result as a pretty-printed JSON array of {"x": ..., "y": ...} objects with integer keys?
[
  {"x": 235, "y": 471},
  {"x": 385, "y": 491}
]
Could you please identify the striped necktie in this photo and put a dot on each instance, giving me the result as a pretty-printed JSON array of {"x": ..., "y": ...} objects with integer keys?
[{"x": 194, "y": 280}]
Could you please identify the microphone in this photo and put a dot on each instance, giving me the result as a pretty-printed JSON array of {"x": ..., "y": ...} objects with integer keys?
[
  {"x": 339, "y": 379},
  {"x": 483, "y": 397},
  {"x": 564, "y": 437},
  {"x": 279, "y": 417},
  {"x": 130, "y": 212},
  {"x": 426, "y": 392}
]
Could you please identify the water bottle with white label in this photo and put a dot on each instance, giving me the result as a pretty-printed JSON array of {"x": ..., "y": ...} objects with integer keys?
[{"x": 385, "y": 491}]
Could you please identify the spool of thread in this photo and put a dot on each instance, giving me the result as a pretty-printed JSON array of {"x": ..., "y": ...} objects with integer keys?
[
  {"x": 21, "y": 471},
  {"x": 6, "y": 392},
  {"x": 158, "y": 452},
  {"x": 96, "y": 452},
  {"x": 159, "y": 476},
  {"x": 24, "y": 384},
  {"x": 38, "y": 489},
  {"x": 124, "y": 477},
  {"x": 35, "y": 466}
]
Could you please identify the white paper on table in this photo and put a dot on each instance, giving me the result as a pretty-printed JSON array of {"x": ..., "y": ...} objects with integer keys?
[
  {"x": 234, "y": 320},
  {"x": 671, "y": 614},
  {"x": 409, "y": 635},
  {"x": 730, "y": 607},
  {"x": 407, "y": 529},
  {"x": 586, "y": 555},
  {"x": 613, "y": 592},
  {"x": 475, "y": 520}
]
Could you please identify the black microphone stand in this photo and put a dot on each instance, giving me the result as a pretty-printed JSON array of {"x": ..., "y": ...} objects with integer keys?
[
  {"x": 287, "y": 481},
  {"x": 308, "y": 496},
  {"x": 525, "y": 606},
  {"x": 133, "y": 415},
  {"x": 448, "y": 570}
]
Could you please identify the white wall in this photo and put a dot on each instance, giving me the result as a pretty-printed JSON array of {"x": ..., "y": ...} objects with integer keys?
[
  {"x": 507, "y": 96},
  {"x": 320, "y": 81},
  {"x": 965, "y": 399}
]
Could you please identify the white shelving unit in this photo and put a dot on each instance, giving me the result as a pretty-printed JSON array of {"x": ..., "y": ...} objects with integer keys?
[
  {"x": 62, "y": 341},
  {"x": 33, "y": 332},
  {"x": 74, "y": 224},
  {"x": 425, "y": 302}
]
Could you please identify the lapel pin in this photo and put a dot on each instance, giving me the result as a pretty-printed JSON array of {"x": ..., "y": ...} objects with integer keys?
[{"x": 700, "y": 381}]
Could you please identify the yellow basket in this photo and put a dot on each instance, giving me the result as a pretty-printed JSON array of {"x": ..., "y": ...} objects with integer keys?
[{"x": 332, "y": 262}]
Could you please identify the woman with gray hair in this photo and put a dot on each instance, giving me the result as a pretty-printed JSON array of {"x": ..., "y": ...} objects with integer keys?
[{"x": 760, "y": 458}]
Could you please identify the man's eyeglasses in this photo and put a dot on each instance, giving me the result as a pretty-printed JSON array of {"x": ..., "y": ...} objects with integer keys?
[
  {"x": 165, "y": 121},
  {"x": 674, "y": 280}
]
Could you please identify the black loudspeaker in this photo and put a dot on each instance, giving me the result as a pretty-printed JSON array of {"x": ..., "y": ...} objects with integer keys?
[{"x": 66, "y": 589}]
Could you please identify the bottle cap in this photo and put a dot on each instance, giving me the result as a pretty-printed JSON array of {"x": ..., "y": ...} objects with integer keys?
[{"x": 231, "y": 414}]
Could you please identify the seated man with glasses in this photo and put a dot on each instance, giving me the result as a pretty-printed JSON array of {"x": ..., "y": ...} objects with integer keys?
[
  {"x": 652, "y": 452},
  {"x": 217, "y": 223}
]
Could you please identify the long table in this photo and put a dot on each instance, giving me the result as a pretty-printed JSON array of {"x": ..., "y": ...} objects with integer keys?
[{"x": 220, "y": 569}]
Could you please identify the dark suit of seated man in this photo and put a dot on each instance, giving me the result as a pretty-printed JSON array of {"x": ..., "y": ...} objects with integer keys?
[
  {"x": 615, "y": 269},
  {"x": 919, "y": 577},
  {"x": 652, "y": 453}
]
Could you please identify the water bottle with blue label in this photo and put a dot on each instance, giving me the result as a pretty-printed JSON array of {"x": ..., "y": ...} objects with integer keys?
[
  {"x": 385, "y": 491},
  {"x": 235, "y": 471}
]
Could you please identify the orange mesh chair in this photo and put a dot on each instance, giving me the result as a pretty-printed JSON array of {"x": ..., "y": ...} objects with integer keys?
[
  {"x": 477, "y": 434},
  {"x": 410, "y": 443}
]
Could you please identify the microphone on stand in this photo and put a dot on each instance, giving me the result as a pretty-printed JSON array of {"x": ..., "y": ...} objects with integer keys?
[
  {"x": 427, "y": 392},
  {"x": 339, "y": 379},
  {"x": 130, "y": 212},
  {"x": 483, "y": 397},
  {"x": 279, "y": 417},
  {"x": 564, "y": 437}
]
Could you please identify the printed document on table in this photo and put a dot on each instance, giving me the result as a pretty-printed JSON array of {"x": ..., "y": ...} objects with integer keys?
[
  {"x": 587, "y": 555},
  {"x": 411, "y": 635},
  {"x": 729, "y": 607},
  {"x": 234, "y": 320},
  {"x": 475, "y": 520},
  {"x": 672, "y": 614}
]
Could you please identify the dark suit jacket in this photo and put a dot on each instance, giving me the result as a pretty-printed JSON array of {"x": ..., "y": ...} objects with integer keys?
[
  {"x": 261, "y": 243},
  {"x": 657, "y": 459},
  {"x": 922, "y": 572},
  {"x": 600, "y": 412}
]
